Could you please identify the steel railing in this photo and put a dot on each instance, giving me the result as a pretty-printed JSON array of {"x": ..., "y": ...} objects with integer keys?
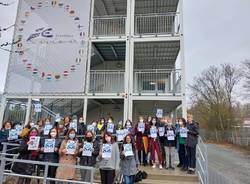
[
  {"x": 106, "y": 81},
  {"x": 109, "y": 26},
  {"x": 157, "y": 81},
  {"x": 157, "y": 24},
  {"x": 202, "y": 162},
  {"x": 44, "y": 178}
]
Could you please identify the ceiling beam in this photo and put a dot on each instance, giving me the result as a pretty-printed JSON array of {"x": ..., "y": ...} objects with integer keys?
[
  {"x": 114, "y": 51},
  {"x": 98, "y": 53}
]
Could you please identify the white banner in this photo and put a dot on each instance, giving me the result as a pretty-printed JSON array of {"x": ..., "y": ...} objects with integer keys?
[{"x": 51, "y": 50}]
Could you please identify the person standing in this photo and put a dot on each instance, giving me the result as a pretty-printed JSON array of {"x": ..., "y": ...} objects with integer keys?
[
  {"x": 191, "y": 142},
  {"x": 129, "y": 161},
  {"x": 109, "y": 159}
]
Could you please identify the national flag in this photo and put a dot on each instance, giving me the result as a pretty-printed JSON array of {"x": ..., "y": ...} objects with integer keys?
[
  {"x": 65, "y": 73},
  {"x": 72, "y": 68},
  {"x": 57, "y": 76},
  {"x": 23, "y": 21},
  {"x": 53, "y": 3},
  {"x": 35, "y": 71},
  {"x": 81, "y": 51},
  {"x": 49, "y": 76},
  {"x": 67, "y": 7},
  {"x": 82, "y": 34},
  {"x": 25, "y": 60},
  {"x": 42, "y": 75},
  {"x": 20, "y": 29},
  {"x": 32, "y": 8},
  {"x": 60, "y": 4},
  {"x": 19, "y": 45},
  {"x": 27, "y": 14},
  {"x": 78, "y": 61},
  {"x": 40, "y": 4},
  {"x": 29, "y": 66},
  {"x": 76, "y": 18}
]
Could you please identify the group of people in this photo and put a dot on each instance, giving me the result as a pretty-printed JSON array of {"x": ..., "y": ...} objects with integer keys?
[{"x": 112, "y": 147}]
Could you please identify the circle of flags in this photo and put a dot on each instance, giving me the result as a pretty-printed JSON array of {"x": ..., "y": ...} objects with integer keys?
[{"x": 35, "y": 71}]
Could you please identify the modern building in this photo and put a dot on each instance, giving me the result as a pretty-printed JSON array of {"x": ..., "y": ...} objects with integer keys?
[{"x": 133, "y": 65}]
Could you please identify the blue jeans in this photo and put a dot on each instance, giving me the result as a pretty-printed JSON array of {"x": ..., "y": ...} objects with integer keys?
[{"x": 129, "y": 179}]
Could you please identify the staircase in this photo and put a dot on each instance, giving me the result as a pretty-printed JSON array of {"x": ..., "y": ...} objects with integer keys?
[{"x": 157, "y": 176}]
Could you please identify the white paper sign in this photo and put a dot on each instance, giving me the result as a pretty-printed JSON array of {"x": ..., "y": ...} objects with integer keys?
[
  {"x": 159, "y": 113},
  {"x": 183, "y": 132},
  {"x": 141, "y": 127},
  {"x": 19, "y": 129},
  {"x": 35, "y": 126},
  {"x": 58, "y": 118},
  {"x": 71, "y": 147},
  {"x": 47, "y": 129},
  {"x": 38, "y": 107},
  {"x": 161, "y": 131},
  {"x": 128, "y": 151},
  {"x": 73, "y": 125},
  {"x": 110, "y": 127},
  {"x": 106, "y": 150},
  {"x": 49, "y": 145},
  {"x": 153, "y": 132},
  {"x": 91, "y": 128},
  {"x": 87, "y": 149},
  {"x": 120, "y": 134},
  {"x": 13, "y": 134},
  {"x": 34, "y": 143},
  {"x": 170, "y": 135}
]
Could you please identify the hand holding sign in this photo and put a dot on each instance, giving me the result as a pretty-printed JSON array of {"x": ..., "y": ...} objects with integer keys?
[
  {"x": 106, "y": 150},
  {"x": 34, "y": 143},
  {"x": 128, "y": 151},
  {"x": 183, "y": 132},
  {"x": 49, "y": 145},
  {"x": 170, "y": 135},
  {"x": 71, "y": 147},
  {"x": 87, "y": 149}
]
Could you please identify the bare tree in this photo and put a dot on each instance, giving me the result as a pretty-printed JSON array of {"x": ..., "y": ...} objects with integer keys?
[
  {"x": 212, "y": 93},
  {"x": 246, "y": 73}
]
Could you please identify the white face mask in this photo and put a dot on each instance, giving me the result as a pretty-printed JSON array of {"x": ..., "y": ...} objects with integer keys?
[
  {"x": 141, "y": 120},
  {"x": 109, "y": 121},
  {"x": 94, "y": 124},
  {"x": 32, "y": 124},
  {"x": 102, "y": 121},
  {"x": 154, "y": 122},
  {"x": 47, "y": 122},
  {"x": 81, "y": 121}
]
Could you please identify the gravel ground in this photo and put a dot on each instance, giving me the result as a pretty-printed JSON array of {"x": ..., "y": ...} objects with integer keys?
[{"x": 228, "y": 165}]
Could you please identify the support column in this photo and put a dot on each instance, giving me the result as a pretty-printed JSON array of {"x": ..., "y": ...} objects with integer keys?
[
  {"x": 2, "y": 109},
  {"x": 27, "y": 115},
  {"x": 85, "y": 109},
  {"x": 183, "y": 69}
]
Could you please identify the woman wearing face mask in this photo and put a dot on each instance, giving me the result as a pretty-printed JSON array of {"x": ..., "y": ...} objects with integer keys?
[
  {"x": 101, "y": 125},
  {"x": 109, "y": 166},
  {"x": 170, "y": 143},
  {"x": 61, "y": 129},
  {"x": 40, "y": 124},
  {"x": 182, "y": 148},
  {"x": 129, "y": 163},
  {"x": 4, "y": 133},
  {"x": 88, "y": 160},
  {"x": 25, "y": 154},
  {"x": 67, "y": 173},
  {"x": 141, "y": 133},
  {"x": 52, "y": 157},
  {"x": 154, "y": 143},
  {"x": 82, "y": 128}
]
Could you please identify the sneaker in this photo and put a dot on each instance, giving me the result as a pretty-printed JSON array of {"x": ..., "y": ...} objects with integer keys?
[
  {"x": 160, "y": 166},
  {"x": 154, "y": 166},
  {"x": 191, "y": 172},
  {"x": 179, "y": 165},
  {"x": 172, "y": 168}
]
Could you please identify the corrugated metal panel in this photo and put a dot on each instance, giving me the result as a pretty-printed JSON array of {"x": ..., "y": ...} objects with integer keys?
[
  {"x": 159, "y": 55},
  {"x": 110, "y": 7},
  {"x": 155, "y": 6}
]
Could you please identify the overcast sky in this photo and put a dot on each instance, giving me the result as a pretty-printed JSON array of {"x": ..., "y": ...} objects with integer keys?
[{"x": 216, "y": 31}]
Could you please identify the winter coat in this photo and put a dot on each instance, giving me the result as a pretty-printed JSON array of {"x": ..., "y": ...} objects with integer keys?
[
  {"x": 139, "y": 136},
  {"x": 25, "y": 154},
  {"x": 52, "y": 157},
  {"x": 193, "y": 134},
  {"x": 169, "y": 143},
  {"x": 66, "y": 172},
  {"x": 90, "y": 161},
  {"x": 129, "y": 164}
]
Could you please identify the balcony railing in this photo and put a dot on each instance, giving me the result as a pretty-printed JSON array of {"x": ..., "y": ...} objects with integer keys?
[
  {"x": 158, "y": 81},
  {"x": 109, "y": 26},
  {"x": 157, "y": 24},
  {"x": 106, "y": 81}
]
